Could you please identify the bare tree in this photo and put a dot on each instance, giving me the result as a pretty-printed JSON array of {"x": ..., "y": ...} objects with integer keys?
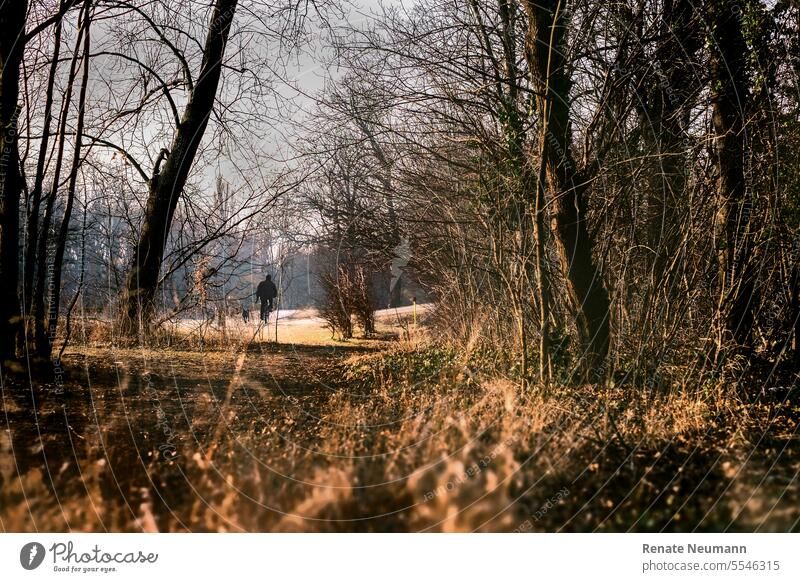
[
  {"x": 12, "y": 46},
  {"x": 167, "y": 183},
  {"x": 730, "y": 104}
]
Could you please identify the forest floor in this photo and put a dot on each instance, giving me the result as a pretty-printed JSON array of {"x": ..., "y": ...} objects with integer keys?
[{"x": 388, "y": 434}]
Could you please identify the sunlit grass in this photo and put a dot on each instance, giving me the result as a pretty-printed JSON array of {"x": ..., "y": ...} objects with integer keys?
[{"x": 302, "y": 437}]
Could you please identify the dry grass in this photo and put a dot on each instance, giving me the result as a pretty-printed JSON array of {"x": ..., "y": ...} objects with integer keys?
[
  {"x": 460, "y": 455},
  {"x": 303, "y": 438}
]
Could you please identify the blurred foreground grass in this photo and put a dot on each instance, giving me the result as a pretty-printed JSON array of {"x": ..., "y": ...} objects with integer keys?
[{"x": 368, "y": 436}]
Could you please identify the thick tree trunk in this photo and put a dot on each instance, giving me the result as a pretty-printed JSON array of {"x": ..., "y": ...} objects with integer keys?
[
  {"x": 12, "y": 44},
  {"x": 168, "y": 182},
  {"x": 568, "y": 185},
  {"x": 730, "y": 99}
]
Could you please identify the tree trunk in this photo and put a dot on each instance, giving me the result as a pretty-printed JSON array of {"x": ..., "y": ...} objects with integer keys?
[
  {"x": 38, "y": 313},
  {"x": 32, "y": 234},
  {"x": 730, "y": 99},
  {"x": 794, "y": 317},
  {"x": 167, "y": 184},
  {"x": 12, "y": 45},
  {"x": 61, "y": 240},
  {"x": 540, "y": 265},
  {"x": 568, "y": 185}
]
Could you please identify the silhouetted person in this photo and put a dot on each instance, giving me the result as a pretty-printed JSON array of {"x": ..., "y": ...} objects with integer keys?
[{"x": 266, "y": 293}]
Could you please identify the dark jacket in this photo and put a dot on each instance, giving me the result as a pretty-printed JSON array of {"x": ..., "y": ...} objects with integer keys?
[{"x": 266, "y": 290}]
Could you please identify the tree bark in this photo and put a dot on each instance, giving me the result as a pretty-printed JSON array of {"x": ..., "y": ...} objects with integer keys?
[
  {"x": 61, "y": 240},
  {"x": 730, "y": 97},
  {"x": 168, "y": 182},
  {"x": 38, "y": 312},
  {"x": 568, "y": 185},
  {"x": 12, "y": 45},
  {"x": 32, "y": 234}
]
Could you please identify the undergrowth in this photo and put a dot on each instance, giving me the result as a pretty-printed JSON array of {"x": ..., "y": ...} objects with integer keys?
[{"x": 411, "y": 439}]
